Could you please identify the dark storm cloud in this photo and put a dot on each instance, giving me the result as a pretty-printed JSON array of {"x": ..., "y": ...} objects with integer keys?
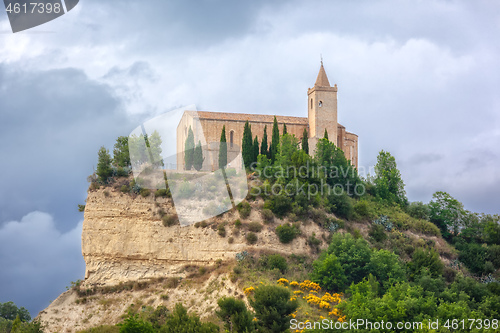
[
  {"x": 54, "y": 122},
  {"x": 38, "y": 261}
]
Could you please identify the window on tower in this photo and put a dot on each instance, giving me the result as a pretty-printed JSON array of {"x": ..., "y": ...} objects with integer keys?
[
  {"x": 320, "y": 104},
  {"x": 311, "y": 103},
  {"x": 231, "y": 138}
]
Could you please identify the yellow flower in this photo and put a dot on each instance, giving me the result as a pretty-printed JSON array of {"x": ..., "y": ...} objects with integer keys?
[
  {"x": 248, "y": 290},
  {"x": 283, "y": 281}
]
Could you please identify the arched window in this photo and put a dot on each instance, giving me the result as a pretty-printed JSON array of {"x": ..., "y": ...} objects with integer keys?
[
  {"x": 231, "y": 139},
  {"x": 320, "y": 104}
]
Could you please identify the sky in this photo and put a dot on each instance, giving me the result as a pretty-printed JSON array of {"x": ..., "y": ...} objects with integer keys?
[{"x": 419, "y": 79}]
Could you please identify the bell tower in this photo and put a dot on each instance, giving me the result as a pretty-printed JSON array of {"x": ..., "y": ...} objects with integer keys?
[{"x": 322, "y": 106}]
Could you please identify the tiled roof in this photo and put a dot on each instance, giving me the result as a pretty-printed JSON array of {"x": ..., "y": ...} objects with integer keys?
[{"x": 258, "y": 118}]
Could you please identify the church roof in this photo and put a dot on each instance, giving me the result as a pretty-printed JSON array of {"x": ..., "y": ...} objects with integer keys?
[
  {"x": 322, "y": 79},
  {"x": 258, "y": 118}
]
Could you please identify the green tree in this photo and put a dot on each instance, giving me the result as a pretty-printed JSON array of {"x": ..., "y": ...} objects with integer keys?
[
  {"x": 10, "y": 311},
  {"x": 275, "y": 141},
  {"x": 154, "y": 144},
  {"x": 235, "y": 315},
  {"x": 189, "y": 150},
  {"x": 104, "y": 170},
  {"x": 329, "y": 274},
  {"x": 198, "y": 157},
  {"x": 284, "y": 129},
  {"x": 121, "y": 154},
  {"x": 385, "y": 266},
  {"x": 133, "y": 324},
  {"x": 325, "y": 136},
  {"x": 447, "y": 213},
  {"x": 247, "y": 145},
  {"x": 180, "y": 322},
  {"x": 305, "y": 141},
  {"x": 389, "y": 185},
  {"x": 255, "y": 149},
  {"x": 263, "y": 146},
  {"x": 223, "y": 149},
  {"x": 273, "y": 307},
  {"x": 428, "y": 259}
]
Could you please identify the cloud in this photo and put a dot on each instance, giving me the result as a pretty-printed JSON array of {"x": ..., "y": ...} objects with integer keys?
[
  {"x": 38, "y": 261},
  {"x": 56, "y": 120}
]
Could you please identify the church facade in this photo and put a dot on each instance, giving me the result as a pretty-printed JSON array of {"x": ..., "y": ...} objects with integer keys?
[{"x": 321, "y": 116}]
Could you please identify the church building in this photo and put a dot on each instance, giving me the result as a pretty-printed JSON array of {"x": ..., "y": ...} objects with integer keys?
[{"x": 321, "y": 116}]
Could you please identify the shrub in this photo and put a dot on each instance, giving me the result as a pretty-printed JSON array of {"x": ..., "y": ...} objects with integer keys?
[
  {"x": 145, "y": 192},
  {"x": 362, "y": 209},
  {"x": 329, "y": 273},
  {"x": 244, "y": 208},
  {"x": 81, "y": 208},
  {"x": 251, "y": 238},
  {"x": 221, "y": 230},
  {"x": 267, "y": 215},
  {"x": 186, "y": 190},
  {"x": 341, "y": 205},
  {"x": 280, "y": 205},
  {"x": 274, "y": 261},
  {"x": 237, "y": 223},
  {"x": 273, "y": 308},
  {"x": 314, "y": 242},
  {"x": 318, "y": 216},
  {"x": 230, "y": 240},
  {"x": 125, "y": 189},
  {"x": 254, "y": 226},
  {"x": 377, "y": 233},
  {"x": 161, "y": 193},
  {"x": 425, "y": 259},
  {"x": 418, "y": 210},
  {"x": 287, "y": 233},
  {"x": 235, "y": 315},
  {"x": 169, "y": 220}
]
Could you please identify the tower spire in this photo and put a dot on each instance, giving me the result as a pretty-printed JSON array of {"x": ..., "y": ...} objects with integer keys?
[{"x": 322, "y": 79}]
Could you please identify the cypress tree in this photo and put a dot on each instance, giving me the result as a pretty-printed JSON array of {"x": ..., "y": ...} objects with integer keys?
[
  {"x": 263, "y": 145},
  {"x": 255, "y": 149},
  {"x": 247, "y": 145},
  {"x": 275, "y": 140},
  {"x": 305, "y": 141},
  {"x": 189, "y": 150},
  {"x": 223, "y": 149},
  {"x": 326, "y": 135},
  {"x": 198, "y": 157},
  {"x": 284, "y": 129},
  {"x": 104, "y": 170}
]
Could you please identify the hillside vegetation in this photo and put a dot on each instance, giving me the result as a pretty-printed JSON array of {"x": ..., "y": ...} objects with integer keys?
[{"x": 380, "y": 258}]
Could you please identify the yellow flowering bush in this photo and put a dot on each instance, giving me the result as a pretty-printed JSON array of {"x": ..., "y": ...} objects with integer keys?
[
  {"x": 248, "y": 290},
  {"x": 283, "y": 282}
]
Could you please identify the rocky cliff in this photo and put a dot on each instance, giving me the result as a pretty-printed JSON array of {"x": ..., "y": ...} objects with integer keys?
[{"x": 124, "y": 239}]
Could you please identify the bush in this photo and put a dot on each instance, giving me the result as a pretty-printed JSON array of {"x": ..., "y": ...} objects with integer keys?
[
  {"x": 273, "y": 308},
  {"x": 230, "y": 240},
  {"x": 169, "y": 220},
  {"x": 428, "y": 259},
  {"x": 125, "y": 189},
  {"x": 313, "y": 242},
  {"x": 274, "y": 261},
  {"x": 81, "y": 208},
  {"x": 418, "y": 210},
  {"x": 267, "y": 215},
  {"x": 377, "y": 233},
  {"x": 251, "y": 238},
  {"x": 237, "y": 223},
  {"x": 254, "y": 226},
  {"x": 244, "y": 208},
  {"x": 341, "y": 205},
  {"x": 161, "y": 193},
  {"x": 145, "y": 192},
  {"x": 329, "y": 273},
  {"x": 235, "y": 315},
  {"x": 287, "y": 233},
  {"x": 280, "y": 205},
  {"x": 221, "y": 230}
]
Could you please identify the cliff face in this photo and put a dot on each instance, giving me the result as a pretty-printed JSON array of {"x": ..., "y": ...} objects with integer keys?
[{"x": 124, "y": 239}]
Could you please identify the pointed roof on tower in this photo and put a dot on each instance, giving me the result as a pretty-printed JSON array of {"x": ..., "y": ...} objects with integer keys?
[{"x": 322, "y": 79}]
